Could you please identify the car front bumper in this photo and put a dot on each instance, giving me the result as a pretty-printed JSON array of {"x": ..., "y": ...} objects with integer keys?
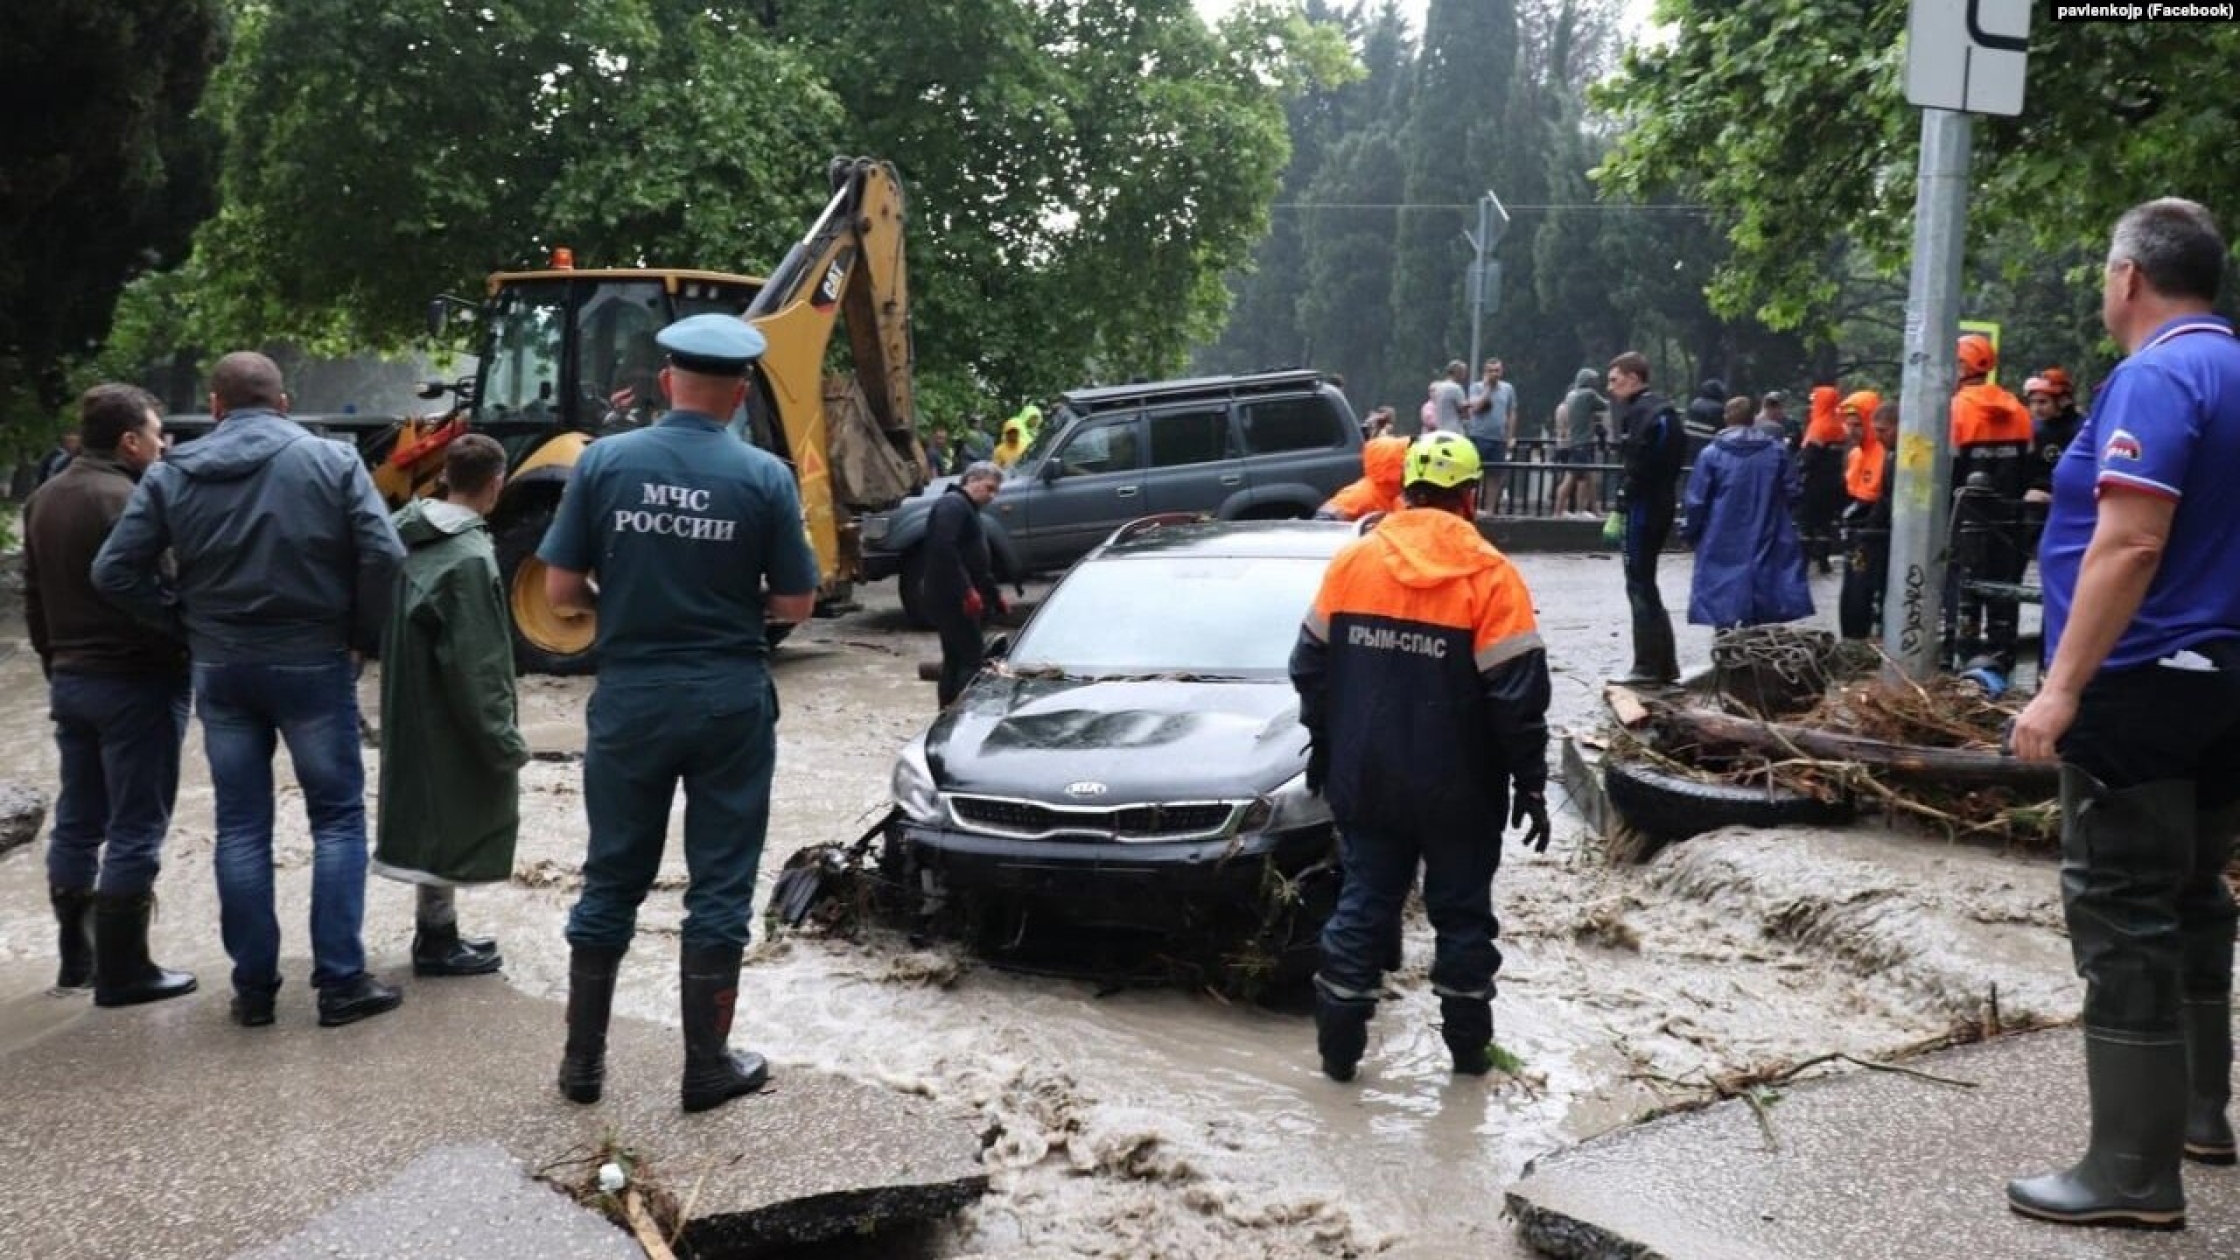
[{"x": 1145, "y": 874}]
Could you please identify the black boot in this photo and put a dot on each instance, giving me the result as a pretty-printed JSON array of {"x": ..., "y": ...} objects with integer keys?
[
  {"x": 1341, "y": 1030},
  {"x": 73, "y": 917},
  {"x": 1656, "y": 658},
  {"x": 1467, "y": 1027},
  {"x": 583, "y": 1065},
  {"x": 441, "y": 951},
  {"x": 2209, "y": 1068},
  {"x": 353, "y": 1000},
  {"x": 714, "y": 1073},
  {"x": 2129, "y": 1174},
  {"x": 123, "y": 975}
]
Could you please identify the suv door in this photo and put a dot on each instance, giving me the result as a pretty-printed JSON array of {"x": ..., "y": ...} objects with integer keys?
[
  {"x": 1194, "y": 463},
  {"x": 1298, "y": 447},
  {"x": 1093, "y": 485}
]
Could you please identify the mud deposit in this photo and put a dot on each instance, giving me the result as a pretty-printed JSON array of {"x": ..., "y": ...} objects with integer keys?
[{"x": 1165, "y": 1123}]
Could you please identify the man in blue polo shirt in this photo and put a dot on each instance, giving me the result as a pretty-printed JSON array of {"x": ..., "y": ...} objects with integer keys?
[
  {"x": 683, "y": 539},
  {"x": 2141, "y": 705}
]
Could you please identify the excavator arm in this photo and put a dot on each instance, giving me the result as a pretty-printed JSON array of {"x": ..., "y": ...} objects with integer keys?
[{"x": 851, "y": 261}]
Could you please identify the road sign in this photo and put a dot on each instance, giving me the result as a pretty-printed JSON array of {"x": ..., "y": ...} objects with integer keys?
[{"x": 1967, "y": 55}]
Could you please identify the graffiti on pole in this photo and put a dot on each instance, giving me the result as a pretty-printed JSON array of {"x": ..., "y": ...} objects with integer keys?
[{"x": 1915, "y": 626}]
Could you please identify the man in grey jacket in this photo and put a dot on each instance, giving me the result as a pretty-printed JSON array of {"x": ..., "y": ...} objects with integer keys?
[{"x": 285, "y": 559}]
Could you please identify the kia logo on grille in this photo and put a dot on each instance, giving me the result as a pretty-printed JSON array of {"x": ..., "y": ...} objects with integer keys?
[{"x": 1085, "y": 788}]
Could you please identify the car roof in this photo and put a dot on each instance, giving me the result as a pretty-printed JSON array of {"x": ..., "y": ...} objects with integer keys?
[
  {"x": 1219, "y": 386},
  {"x": 1254, "y": 540}
]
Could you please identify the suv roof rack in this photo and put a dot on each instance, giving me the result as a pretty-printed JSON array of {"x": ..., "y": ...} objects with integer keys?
[{"x": 1257, "y": 382}]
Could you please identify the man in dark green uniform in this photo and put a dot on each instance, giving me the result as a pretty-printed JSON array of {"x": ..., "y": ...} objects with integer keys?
[{"x": 683, "y": 539}]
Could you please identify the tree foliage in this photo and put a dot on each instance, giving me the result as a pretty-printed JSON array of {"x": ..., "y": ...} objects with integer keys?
[
  {"x": 1790, "y": 118},
  {"x": 1080, "y": 174},
  {"x": 101, "y": 175}
]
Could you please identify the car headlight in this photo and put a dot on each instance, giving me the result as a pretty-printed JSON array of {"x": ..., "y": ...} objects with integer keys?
[
  {"x": 912, "y": 784},
  {"x": 875, "y": 528},
  {"x": 1288, "y": 808}
]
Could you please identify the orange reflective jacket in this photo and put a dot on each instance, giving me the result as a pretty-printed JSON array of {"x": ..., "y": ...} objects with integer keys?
[
  {"x": 1421, "y": 674},
  {"x": 1991, "y": 434},
  {"x": 1862, "y": 470},
  {"x": 1383, "y": 462}
]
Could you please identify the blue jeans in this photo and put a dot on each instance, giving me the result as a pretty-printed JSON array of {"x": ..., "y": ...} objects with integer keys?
[
  {"x": 1379, "y": 867},
  {"x": 720, "y": 739},
  {"x": 119, "y": 736},
  {"x": 246, "y": 711}
]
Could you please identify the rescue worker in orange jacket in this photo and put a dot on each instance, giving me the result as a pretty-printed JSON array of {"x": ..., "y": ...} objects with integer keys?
[
  {"x": 1866, "y": 522},
  {"x": 1424, "y": 690},
  {"x": 1820, "y": 462},
  {"x": 1383, "y": 462},
  {"x": 1992, "y": 436}
]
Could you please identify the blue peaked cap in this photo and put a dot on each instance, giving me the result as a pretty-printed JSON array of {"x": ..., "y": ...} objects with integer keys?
[{"x": 720, "y": 345}]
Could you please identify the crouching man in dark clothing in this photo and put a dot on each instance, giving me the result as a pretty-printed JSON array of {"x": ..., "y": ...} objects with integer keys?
[
  {"x": 960, "y": 586},
  {"x": 2141, "y": 705},
  {"x": 118, "y": 691},
  {"x": 1424, "y": 690}
]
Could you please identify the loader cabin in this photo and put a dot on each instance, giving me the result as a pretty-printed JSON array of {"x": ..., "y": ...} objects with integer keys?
[{"x": 569, "y": 350}]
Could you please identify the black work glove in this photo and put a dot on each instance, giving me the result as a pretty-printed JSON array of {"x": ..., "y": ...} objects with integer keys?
[
  {"x": 1531, "y": 806},
  {"x": 1318, "y": 767}
]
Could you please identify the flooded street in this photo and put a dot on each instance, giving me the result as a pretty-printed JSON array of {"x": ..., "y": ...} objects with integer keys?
[{"x": 1156, "y": 1122}]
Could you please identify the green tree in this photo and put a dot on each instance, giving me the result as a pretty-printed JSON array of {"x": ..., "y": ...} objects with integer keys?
[
  {"x": 102, "y": 175},
  {"x": 1790, "y": 118}
]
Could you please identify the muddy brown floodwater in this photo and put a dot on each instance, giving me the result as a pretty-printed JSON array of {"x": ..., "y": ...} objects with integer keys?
[{"x": 1166, "y": 1123}]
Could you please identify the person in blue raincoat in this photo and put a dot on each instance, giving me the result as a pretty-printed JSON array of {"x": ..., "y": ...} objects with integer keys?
[{"x": 1740, "y": 517}]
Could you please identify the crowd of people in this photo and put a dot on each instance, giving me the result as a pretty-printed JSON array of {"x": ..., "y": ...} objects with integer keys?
[{"x": 249, "y": 575}]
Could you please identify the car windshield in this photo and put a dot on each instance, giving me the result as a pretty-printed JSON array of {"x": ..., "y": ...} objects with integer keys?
[{"x": 1220, "y": 616}]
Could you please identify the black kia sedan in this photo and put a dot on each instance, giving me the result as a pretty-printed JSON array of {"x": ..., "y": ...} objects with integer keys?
[{"x": 1138, "y": 748}]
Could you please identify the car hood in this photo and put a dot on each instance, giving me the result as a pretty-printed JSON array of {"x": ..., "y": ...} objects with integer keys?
[{"x": 1142, "y": 739}]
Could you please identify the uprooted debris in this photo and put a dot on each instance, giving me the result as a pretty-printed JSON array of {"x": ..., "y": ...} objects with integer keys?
[
  {"x": 1929, "y": 751},
  {"x": 619, "y": 1182}
]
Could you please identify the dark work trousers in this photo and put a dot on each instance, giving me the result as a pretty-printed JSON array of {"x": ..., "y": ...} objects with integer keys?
[
  {"x": 1866, "y": 574},
  {"x": 1821, "y": 468},
  {"x": 1655, "y": 655},
  {"x": 961, "y": 651},
  {"x": 1380, "y": 867},
  {"x": 1988, "y": 546},
  {"x": 119, "y": 736},
  {"x": 2146, "y": 836},
  {"x": 718, "y": 736}
]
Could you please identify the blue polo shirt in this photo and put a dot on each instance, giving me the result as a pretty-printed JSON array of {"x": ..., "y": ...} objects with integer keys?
[
  {"x": 682, "y": 524},
  {"x": 2166, "y": 423}
]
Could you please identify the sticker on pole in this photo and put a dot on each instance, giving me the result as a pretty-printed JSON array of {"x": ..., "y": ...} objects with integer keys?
[{"x": 1967, "y": 55}]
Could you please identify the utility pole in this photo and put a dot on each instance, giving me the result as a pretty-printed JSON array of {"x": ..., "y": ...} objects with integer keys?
[
  {"x": 1482, "y": 286},
  {"x": 1921, "y": 514},
  {"x": 1962, "y": 59}
]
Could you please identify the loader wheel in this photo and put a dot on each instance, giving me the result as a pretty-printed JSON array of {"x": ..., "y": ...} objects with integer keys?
[
  {"x": 912, "y": 578},
  {"x": 546, "y": 640}
]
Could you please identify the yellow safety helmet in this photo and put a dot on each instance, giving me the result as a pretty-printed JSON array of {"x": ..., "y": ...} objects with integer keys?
[{"x": 1446, "y": 460}]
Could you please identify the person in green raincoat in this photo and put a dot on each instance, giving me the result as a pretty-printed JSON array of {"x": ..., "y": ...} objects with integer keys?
[{"x": 450, "y": 748}]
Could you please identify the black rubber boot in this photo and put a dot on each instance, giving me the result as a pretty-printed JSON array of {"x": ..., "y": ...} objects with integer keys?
[
  {"x": 714, "y": 1073},
  {"x": 73, "y": 917},
  {"x": 123, "y": 975},
  {"x": 441, "y": 951},
  {"x": 2129, "y": 1176},
  {"x": 2209, "y": 1137},
  {"x": 583, "y": 1064},
  {"x": 1656, "y": 658},
  {"x": 1467, "y": 1027},
  {"x": 1341, "y": 1030}
]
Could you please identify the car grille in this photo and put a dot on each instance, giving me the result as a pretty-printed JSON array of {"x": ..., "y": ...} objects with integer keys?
[{"x": 1032, "y": 820}]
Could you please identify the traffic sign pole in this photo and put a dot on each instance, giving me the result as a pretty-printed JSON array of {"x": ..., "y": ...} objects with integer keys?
[{"x": 1913, "y": 601}]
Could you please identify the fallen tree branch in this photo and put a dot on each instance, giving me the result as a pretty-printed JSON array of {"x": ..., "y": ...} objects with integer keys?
[{"x": 1946, "y": 766}]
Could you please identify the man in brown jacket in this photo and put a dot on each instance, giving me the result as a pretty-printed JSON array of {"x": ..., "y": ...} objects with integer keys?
[{"x": 118, "y": 691}]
